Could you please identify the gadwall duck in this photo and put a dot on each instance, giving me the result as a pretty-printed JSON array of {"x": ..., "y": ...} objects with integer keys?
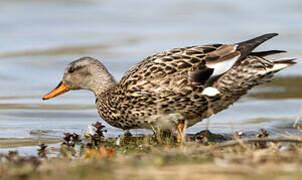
[{"x": 174, "y": 88}]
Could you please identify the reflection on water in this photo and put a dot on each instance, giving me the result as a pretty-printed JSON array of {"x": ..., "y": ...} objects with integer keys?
[{"x": 39, "y": 38}]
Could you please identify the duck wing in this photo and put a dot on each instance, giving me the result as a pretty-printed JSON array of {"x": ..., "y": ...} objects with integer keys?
[{"x": 189, "y": 66}]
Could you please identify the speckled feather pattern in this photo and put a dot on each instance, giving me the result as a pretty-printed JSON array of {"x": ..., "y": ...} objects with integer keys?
[{"x": 163, "y": 86}]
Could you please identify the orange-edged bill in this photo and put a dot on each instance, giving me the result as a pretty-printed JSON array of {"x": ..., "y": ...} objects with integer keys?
[{"x": 60, "y": 89}]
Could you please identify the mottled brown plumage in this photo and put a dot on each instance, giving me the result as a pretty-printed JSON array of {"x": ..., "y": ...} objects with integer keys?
[{"x": 182, "y": 84}]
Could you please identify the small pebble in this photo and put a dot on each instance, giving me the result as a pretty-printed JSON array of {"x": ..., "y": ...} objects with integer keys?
[
  {"x": 118, "y": 141},
  {"x": 286, "y": 148}
]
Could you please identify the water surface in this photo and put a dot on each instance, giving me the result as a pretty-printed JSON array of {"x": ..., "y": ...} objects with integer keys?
[{"x": 39, "y": 38}]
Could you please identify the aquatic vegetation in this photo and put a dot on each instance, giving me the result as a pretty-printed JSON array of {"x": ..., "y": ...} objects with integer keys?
[{"x": 205, "y": 155}]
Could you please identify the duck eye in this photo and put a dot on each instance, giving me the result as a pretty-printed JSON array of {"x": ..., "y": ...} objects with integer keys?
[{"x": 72, "y": 69}]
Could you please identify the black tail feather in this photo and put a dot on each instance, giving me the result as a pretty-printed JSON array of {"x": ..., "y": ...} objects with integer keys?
[
  {"x": 246, "y": 47},
  {"x": 285, "y": 61},
  {"x": 266, "y": 53}
]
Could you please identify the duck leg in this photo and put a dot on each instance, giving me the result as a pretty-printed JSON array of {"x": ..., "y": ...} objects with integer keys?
[{"x": 180, "y": 131}]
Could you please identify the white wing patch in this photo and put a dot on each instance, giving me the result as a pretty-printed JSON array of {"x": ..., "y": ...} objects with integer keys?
[
  {"x": 222, "y": 67},
  {"x": 210, "y": 91}
]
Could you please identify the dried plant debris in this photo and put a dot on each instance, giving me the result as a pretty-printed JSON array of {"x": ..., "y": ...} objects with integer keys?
[
  {"x": 145, "y": 157},
  {"x": 101, "y": 152},
  {"x": 71, "y": 139},
  {"x": 42, "y": 151},
  {"x": 97, "y": 135},
  {"x": 14, "y": 158},
  {"x": 263, "y": 134},
  {"x": 75, "y": 145},
  {"x": 68, "y": 147},
  {"x": 206, "y": 137},
  {"x": 94, "y": 135},
  {"x": 99, "y": 129}
]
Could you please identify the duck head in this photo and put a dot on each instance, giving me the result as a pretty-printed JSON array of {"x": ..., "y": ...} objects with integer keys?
[{"x": 85, "y": 73}]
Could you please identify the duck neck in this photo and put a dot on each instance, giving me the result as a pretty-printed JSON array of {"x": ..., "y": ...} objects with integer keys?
[{"x": 102, "y": 83}]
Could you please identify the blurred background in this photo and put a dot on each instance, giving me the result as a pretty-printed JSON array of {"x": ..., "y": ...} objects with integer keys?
[{"x": 39, "y": 39}]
